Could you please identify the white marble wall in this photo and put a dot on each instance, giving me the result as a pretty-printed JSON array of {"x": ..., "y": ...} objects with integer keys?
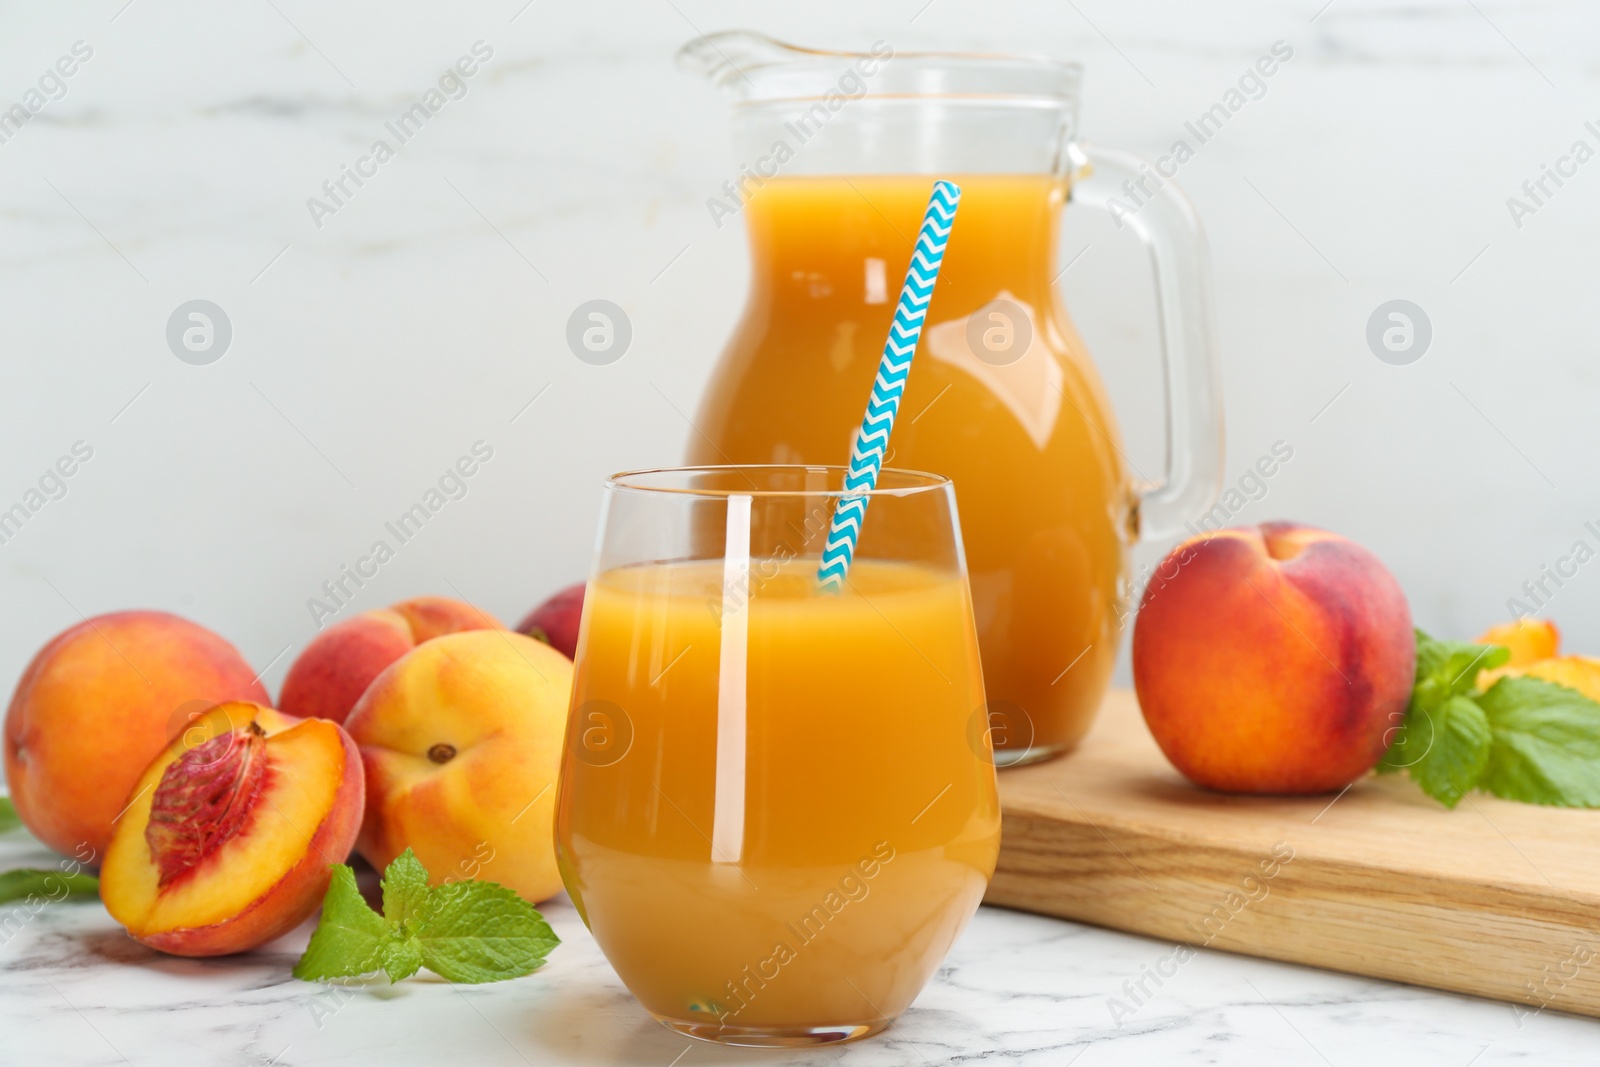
[{"x": 369, "y": 353}]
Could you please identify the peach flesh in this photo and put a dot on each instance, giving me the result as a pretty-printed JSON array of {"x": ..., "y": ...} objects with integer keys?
[
  {"x": 206, "y": 796},
  {"x": 230, "y": 833}
]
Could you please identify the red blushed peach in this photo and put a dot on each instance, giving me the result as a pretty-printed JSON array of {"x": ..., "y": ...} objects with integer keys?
[
  {"x": 1273, "y": 659},
  {"x": 555, "y": 622},
  {"x": 335, "y": 668},
  {"x": 461, "y": 741},
  {"x": 95, "y": 706},
  {"x": 230, "y": 835}
]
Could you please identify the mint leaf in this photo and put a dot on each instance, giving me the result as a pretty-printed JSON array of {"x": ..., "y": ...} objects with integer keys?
[
  {"x": 405, "y": 888},
  {"x": 1450, "y": 668},
  {"x": 483, "y": 932},
  {"x": 465, "y": 932},
  {"x": 1546, "y": 743},
  {"x": 1459, "y": 750},
  {"x": 1444, "y": 742},
  {"x": 402, "y": 956},
  {"x": 46, "y": 884},
  {"x": 1523, "y": 739},
  {"x": 8, "y": 816},
  {"x": 350, "y": 938}
]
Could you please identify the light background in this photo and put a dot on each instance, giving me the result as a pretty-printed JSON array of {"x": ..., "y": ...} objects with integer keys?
[{"x": 370, "y": 354}]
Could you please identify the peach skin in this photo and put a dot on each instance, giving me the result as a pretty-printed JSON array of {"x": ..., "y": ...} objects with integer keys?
[
  {"x": 461, "y": 741},
  {"x": 231, "y": 833},
  {"x": 555, "y": 622},
  {"x": 95, "y": 706},
  {"x": 335, "y": 668},
  {"x": 1273, "y": 659}
]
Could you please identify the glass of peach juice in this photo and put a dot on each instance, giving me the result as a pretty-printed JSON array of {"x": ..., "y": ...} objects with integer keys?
[{"x": 777, "y": 804}]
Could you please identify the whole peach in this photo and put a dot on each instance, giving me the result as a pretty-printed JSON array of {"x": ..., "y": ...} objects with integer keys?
[
  {"x": 461, "y": 742},
  {"x": 96, "y": 705},
  {"x": 337, "y": 665},
  {"x": 555, "y": 622},
  {"x": 1273, "y": 659}
]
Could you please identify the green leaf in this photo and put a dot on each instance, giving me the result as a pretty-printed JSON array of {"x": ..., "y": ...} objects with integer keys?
[
  {"x": 1546, "y": 743},
  {"x": 1444, "y": 742},
  {"x": 46, "y": 884},
  {"x": 405, "y": 888},
  {"x": 1410, "y": 743},
  {"x": 8, "y": 816},
  {"x": 350, "y": 939},
  {"x": 1450, "y": 668},
  {"x": 1459, "y": 744},
  {"x": 483, "y": 932},
  {"x": 465, "y": 932},
  {"x": 402, "y": 956}
]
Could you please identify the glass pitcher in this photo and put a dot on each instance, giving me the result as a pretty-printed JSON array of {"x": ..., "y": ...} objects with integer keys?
[{"x": 838, "y": 152}]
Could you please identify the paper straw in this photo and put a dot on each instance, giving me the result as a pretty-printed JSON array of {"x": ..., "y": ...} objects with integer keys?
[{"x": 872, "y": 440}]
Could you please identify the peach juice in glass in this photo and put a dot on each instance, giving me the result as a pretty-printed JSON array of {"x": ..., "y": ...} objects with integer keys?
[{"x": 777, "y": 805}]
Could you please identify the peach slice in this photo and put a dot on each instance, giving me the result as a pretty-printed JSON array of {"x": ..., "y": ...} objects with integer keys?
[
  {"x": 1575, "y": 672},
  {"x": 230, "y": 835},
  {"x": 1529, "y": 640},
  {"x": 335, "y": 668}
]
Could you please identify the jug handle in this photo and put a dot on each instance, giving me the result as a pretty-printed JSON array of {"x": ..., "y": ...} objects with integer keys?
[{"x": 1134, "y": 193}]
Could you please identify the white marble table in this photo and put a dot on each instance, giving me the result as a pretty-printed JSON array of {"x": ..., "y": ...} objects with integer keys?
[{"x": 1018, "y": 989}]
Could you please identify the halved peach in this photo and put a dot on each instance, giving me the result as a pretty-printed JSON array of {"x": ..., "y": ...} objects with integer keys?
[
  {"x": 1529, "y": 640},
  {"x": 1575, "y": 672},
  {"x": 230, "y": 835}
]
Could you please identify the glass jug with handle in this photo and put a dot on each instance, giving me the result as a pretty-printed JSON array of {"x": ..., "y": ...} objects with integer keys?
[{"x": 837, "y": 154}]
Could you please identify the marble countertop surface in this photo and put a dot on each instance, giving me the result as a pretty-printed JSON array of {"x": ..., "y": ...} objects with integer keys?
[{"x": 1017, "y": 989}]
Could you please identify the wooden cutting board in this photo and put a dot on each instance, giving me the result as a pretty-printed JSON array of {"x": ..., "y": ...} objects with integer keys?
[{"x": 1494, "y": 898}]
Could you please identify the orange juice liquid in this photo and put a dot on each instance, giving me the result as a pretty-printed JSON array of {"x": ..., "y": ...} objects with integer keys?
[
  {"x": 823, "y": 884},
  {"x": 1030, "y": 446}
]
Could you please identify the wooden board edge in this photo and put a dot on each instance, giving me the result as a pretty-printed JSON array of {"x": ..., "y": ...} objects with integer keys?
[{"x": 1533, "y": 950}]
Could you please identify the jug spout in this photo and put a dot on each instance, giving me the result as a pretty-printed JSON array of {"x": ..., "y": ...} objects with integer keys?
[
  {"x": 814, "y": 111},
  {"x": 725, "y": 56}
]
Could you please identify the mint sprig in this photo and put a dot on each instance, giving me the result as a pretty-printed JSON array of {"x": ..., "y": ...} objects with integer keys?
[
  {"x": 1522, "y": 738},
  {"x": 46, "y": 884},
  {"x": 466, "y": 931},
  {"x": 1546, "y": 743}
]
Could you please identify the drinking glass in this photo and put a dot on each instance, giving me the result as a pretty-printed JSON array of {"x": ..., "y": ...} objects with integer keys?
[{"x": 777, "y": 804}]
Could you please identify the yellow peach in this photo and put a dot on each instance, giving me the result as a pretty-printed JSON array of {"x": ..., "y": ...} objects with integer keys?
[
  {"x": 230, "y": 836},
  {"x": 461, "y": 741},
  {"x": 99, "y": 702},
  {"x": 335, "y": 668}
]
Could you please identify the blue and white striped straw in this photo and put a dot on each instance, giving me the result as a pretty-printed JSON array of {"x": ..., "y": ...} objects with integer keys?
[{"x": 872, "y": 440}]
